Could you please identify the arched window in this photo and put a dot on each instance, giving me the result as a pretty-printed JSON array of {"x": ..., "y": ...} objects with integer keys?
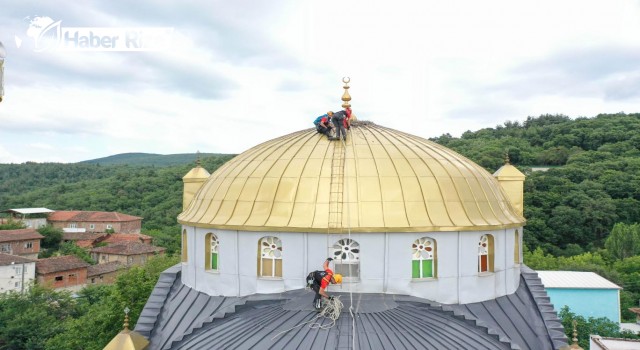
[
  {"x": 485, "y": 254},
  {"x": 423, "y": 264},
  {"x": 211, "y": 252},
  {"x": 346, "y": 257},
  {"x": 516, "y": 249},
  {"x": 270, "y": 257},
  {"x": 185, "y": 257}
]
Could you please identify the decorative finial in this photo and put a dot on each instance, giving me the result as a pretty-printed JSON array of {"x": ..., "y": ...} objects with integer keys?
[
  {"x": 575, "y": 336},
  {"x": 198, "y": 158},
  {"x": 506, "y": 157},
  {"x": 126, "y": 318},
  {"x": 346, "y": 97}
]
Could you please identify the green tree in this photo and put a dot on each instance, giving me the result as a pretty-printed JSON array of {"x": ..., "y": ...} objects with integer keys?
[
  {"x": 601, "y": 326},
  {"x": 12, "y": 225},
  {"x": 538, "y": 260},
  {"x": 28, "y": 320},
  {"x": 103, "y": 307},
  {"x": 70, "y": 248},
  {"x": 169, "y": 238},
  {"x": 52, "y": 237},
  {"x": 624, "y": 241}
]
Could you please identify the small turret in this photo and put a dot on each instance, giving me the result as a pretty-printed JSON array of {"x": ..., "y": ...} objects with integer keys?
[
  {"x": 127, "y": 339},
  {"x": 192, "y": 183},
  {"x": 512, "y": 182}
]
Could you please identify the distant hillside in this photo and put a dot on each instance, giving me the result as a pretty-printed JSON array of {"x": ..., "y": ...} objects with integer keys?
[
  {"x": 160, "y": 160},
  {"x": 152, "y": 192}
]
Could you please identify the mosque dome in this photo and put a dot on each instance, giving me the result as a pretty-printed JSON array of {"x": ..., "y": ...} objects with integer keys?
[{"x": 379, "y": 180}]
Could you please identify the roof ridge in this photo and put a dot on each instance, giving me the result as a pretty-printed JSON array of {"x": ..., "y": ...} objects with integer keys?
[
  {"x": 152, "y": 308},
  {"x": 550, "y": 318},
  {"x": 220, "y": 313},
  {"x": 461, "y": 313}
]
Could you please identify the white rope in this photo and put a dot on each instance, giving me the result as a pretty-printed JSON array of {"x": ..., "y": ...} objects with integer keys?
[
  {"x": 346, "y": 187},
  {"x": 334, "y": 306},
  {"x": 331, "y": 311}
]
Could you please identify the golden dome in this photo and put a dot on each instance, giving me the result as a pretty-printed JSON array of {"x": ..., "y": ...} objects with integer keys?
[{"x": 388, "y": 181}]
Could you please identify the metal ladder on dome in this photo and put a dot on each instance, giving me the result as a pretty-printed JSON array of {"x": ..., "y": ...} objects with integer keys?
[{"x": 336, "y": 189}]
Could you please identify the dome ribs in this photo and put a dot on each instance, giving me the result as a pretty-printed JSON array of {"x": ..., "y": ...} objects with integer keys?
[
  {"x": 380, "y": 180},
  {"x": 432, "y": 187},
  {"x": 484, "y": 214},
  {"x": 309, "y": 186},
  {"x": 394, "y": 210},
  {"x": 419, "y": 208},
  {"x": 472, "y": 183},
  {"x": 263, "y": 204},
  {"x": 240, "y": 175}
]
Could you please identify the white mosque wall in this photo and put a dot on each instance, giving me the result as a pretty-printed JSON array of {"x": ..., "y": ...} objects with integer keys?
[{"x": 385, "y": 264}]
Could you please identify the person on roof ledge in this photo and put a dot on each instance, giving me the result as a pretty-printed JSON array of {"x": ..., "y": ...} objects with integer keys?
[{"x": 319, "y": 281}]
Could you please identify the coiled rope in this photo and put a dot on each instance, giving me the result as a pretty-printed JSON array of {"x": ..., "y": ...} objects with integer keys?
[{"x": 331, "y": 311}]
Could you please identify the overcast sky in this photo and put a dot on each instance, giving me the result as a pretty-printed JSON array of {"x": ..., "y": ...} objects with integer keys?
[{"x": 238, "y": 73}]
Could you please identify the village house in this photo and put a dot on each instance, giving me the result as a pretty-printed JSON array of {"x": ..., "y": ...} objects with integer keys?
[
  {"x": 16, "y": 273},
  {"x": 128, "y": 253},
  {"x": 104, "y": 273},
  {"x": 62, "y": 272},
  {"x": 83, "y": 239},
  {"x": 90, "y": 240},
  {"x": 126, "y": 237},
  {"x": 95, "y": 221},
  {"x": 23, "y": 242},
  {"x": 30, "y": 217}
]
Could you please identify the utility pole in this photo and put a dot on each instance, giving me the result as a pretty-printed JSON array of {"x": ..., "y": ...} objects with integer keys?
[
  {"x": 3, "y": 54},
  {"x": 22, "y": 282}
]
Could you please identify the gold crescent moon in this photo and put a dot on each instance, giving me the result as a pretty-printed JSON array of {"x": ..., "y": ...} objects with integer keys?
[{"x": 346, "y": 80}]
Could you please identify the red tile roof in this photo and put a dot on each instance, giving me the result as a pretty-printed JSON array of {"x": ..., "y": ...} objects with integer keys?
[
  {"x": 128, "y": 248},
  {"x": 127, "y": 237},
  {"x": 91, "y": 216},
  {"x": 19, "y": 235},
  {"x": 7, "y": 259},
  {"x": 81, "y": 236},
  {"x": 59, "y": 263},
  {"x": 100, "y": 269}
]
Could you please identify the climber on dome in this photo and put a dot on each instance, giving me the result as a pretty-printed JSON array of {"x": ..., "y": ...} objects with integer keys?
[
  {"x": 320, "y": 280},
  {"x": 323, "y": 125},
  {"x": 341, "y": 121}
]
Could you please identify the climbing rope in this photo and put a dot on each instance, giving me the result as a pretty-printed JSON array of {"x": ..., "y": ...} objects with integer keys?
[
  {"x": 331, "y": 311},
  {"x": 334, "y": 306},
  {"x": 346, "y": 187}
]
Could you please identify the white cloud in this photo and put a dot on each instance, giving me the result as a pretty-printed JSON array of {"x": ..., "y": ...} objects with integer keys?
[
  {"x": 40, "y": 146},
  {"x": 241, "y": 73}
]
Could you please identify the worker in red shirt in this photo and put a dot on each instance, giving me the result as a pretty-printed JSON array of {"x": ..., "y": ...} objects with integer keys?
[
  {"x": 347, "y": 120},
  {"x": 320, "y": 280},
  {"x": 324, "y": 126}
]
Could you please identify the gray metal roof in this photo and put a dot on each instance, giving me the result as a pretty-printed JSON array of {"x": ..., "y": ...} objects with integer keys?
[
  {"x": 178, "y": 317},
  {"x": 29, "y": 211},
  {"x": 575, "y": 279}
]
